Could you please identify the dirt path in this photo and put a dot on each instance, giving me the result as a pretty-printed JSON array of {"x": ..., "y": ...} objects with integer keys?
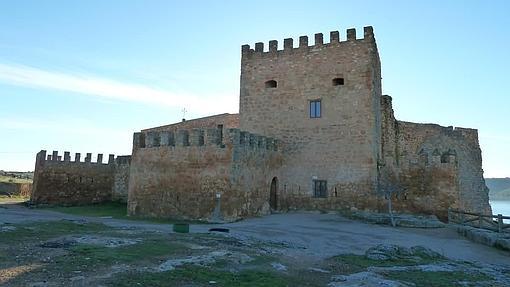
[
  {"x": 314, "y": 235},
  {"x": 327, "y": 234}
]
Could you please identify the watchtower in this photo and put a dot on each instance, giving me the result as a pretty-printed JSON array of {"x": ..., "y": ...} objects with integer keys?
[{"x": 323, "y": 102}]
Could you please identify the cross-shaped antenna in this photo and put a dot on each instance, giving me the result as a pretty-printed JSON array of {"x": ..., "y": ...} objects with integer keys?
[{"x": 183, "y": 113}]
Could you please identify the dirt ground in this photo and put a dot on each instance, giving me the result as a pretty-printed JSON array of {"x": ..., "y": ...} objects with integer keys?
[{"x": 46, "y": 248}]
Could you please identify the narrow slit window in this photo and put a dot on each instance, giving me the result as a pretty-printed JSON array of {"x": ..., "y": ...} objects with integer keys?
[
  {"x": 315, "y": 109},
  {"x": 220, "y": 132},
  {"x": 271, "y": 84},
  {"x": 338, "y": 81}
]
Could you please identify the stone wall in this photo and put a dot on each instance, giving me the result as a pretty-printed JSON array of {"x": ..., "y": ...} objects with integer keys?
[
  {"x": 228, "y": 121},
  {"x": 60, "y": 181},
  {"x": 121, "y": 178},
  {"x": 431, "y": 167},
  {"x": 209, "y": 169},
  {"x": 183, "y": 178},
  {"x": 343, "y": 145},
  {"x": 18, "y": 189}
]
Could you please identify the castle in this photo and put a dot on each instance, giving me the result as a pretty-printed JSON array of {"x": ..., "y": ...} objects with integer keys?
[{"x": 314, "y": 132}]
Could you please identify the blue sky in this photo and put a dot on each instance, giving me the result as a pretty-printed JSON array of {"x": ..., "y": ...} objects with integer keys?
[{"x": 84, "y": 75}]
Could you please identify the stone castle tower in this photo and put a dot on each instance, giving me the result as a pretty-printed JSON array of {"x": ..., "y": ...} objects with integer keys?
[
  {"x": 313, "y": 132},
  {"x": 323, "y": 102}
]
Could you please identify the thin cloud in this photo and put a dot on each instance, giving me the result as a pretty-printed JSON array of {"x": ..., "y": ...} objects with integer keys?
[{"x": 107, "y": 88}]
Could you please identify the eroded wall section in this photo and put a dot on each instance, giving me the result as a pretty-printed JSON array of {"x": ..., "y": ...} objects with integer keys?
[{"x": 431, "y": 168}]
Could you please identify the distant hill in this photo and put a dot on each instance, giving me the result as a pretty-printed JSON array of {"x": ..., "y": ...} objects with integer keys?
[{"x": 499, "y": 188}]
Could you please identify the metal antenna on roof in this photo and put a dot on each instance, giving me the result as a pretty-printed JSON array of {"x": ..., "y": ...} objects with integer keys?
[{"x": 183, "y": 114}]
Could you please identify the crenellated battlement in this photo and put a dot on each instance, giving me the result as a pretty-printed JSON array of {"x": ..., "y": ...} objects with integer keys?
[
  {"x": 204, "y": 137},
  {"x": 303, "y": 43},
  {"x": 236, "y": 137},
  {"x": 54, "y": 157}
]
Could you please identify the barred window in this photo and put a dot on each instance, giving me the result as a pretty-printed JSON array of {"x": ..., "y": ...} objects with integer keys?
[{"x": 320, "y": 188}]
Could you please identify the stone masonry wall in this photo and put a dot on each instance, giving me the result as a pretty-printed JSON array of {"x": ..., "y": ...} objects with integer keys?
[
  {"x": 60, "y": 181},
  {"x": 208, "y": 169},
  {"x": 228, "y": 121},
  {"x": 182, "y": 179},
  {"x": 434, "y": 167},
  {"x": 18, "y": 189},
  {"x": 121, "y": 178},
  {"x": 343, "y": 145}
]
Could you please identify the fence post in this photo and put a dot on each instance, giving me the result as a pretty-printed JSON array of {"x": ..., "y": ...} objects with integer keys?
[
  {"x": 500, "y": 222},
  {"x": 449, "y": 215}
]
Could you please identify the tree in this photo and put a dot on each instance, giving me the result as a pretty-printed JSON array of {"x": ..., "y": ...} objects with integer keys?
[{"x": 390, "y": 186}]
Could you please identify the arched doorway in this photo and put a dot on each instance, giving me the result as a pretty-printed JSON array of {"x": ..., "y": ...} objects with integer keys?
[{"x": 273, "y": 194}]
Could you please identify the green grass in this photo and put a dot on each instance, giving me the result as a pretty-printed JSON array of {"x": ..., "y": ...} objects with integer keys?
[
  {"x": 115, "y": 210},
  {"x": 47, "y": 230},
  {"x": 363, "y": 262},
  {"x": 90, "y": 257},
  {"x": 356, "y": 263},
  {"x": 262, "y": 260},
  {"x": 3, "y": 256},
  {"x": 4, "y": 178},
  {"x": 201, "y": 276},
  {"x": 351, "y": 263},
  {"x": 13, "y": 198},
  {"x": 259, "y": 262},
  {"x": 437, "y": 279}
]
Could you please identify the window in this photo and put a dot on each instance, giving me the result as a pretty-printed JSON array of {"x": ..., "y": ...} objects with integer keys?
[
  {"x": 220, "y": 131},
  {"x": 271, "y": 84},
  {"x": 445, "y": 157},
  {"x": 338, "y": 81},
  {"x": 320, "y": 188},
  {"x": 315, "y": 109}
]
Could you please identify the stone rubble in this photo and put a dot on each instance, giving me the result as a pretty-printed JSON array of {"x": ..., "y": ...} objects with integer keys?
[
  {"x": 206, "y": 259},
  {"x": 364, "y": 279}
]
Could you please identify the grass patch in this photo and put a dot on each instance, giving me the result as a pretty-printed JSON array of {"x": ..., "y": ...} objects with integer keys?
[
  {"x": 364, "y": 262},
  {"x": 203, "y": 275},
  {"x": 3, "y": 256},
  {"x": 47, "y": 230},
  {"x": 259, "y": 262},
  {"x": 115, "y": 210},
  {"x": 437, "y": 279},
  {"x": 89, "y": 257},
  {"x": 11, "y": 179},
  {"x": 351, "y": 263},
  {"x": 13, "y": 198},
  {"x": 263, "y": 260}
]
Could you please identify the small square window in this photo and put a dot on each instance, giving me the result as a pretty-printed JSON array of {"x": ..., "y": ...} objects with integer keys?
[
  {"x": 338, "y": 81},
  {"x": 320, "y": 188},
  {"x": 271, "y": 84},
  {"x": 315, "y": 109}
]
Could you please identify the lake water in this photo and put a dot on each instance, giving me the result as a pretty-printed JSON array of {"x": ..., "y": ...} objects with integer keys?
[{"x": 501, "y": 207}]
